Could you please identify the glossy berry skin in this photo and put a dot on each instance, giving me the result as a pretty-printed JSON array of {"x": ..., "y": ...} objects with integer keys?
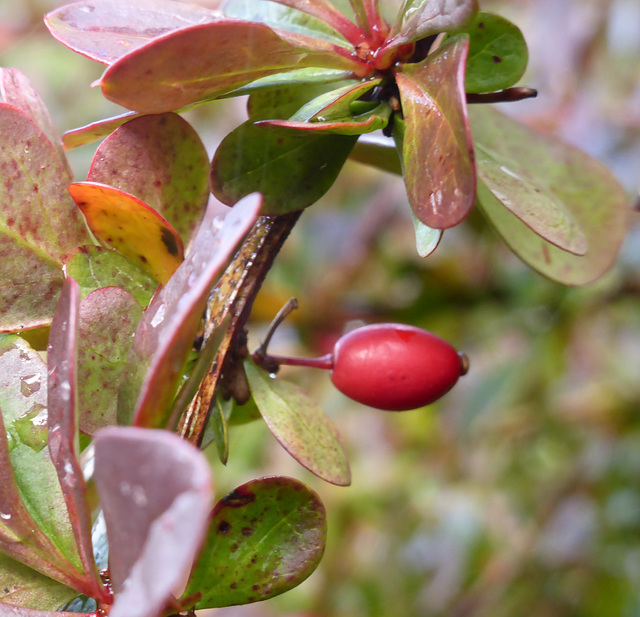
[{"x": 394, "y": 367}]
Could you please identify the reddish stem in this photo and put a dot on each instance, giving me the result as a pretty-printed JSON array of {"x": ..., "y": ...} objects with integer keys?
[{"x": 324, "y": 362}]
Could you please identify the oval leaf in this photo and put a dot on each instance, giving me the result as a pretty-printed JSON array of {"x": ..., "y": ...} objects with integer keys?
[
  {"x": 291, "y": 170},
  {"x": 39, "y": 225},
  {"x": 105, "y": 31},
  {"x": 161, "y": 160},
  {"x": 265, "y": 538},
  {"x": 108, "y": 319},
  {"x": 156, "y": 491},
  {"x": 436, "y": 147},
  {"x": 427, "y": 239},
  {"x": 589, "y": 194},
  {"x": 209, "y": 60},
  {"x": 498, "y": 54},
  {"x": 301, "y": 427},
  {"x": 124, "y": 222}
]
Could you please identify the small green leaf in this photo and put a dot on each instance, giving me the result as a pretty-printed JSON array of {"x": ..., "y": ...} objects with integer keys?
[
  {"x": 590, "y": 197},
  {"x": 498, "y": 54},
  {"x": 436, "y": 147},
  {"x": 291, "y": 170},
  {"x": 379, "y": 152},
  {"x": 427, "y": 239},
  {"x": 301, "y": 427},
  {"x": 218, "y": 426},
  {"x": 94, "y": 267},
  {"x": 265, "y": 538}
]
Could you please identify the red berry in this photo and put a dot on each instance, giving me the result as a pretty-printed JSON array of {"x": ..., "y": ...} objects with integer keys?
[{"x": 395, "y": 367}]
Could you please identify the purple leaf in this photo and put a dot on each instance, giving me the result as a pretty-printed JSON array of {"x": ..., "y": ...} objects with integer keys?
[
  {"x": 206, "y": 61},
  {"x": 108, "y": 319},
  {"x": 156, "y": 492},
  {"x": 437, "y": 151},
  {"x": 40, "y": 225},
  {"x": 108, "y": 29},
  {"x": 161, "y": 160},
  {"x": 168, "y": 327},
  {"x": 63, "y": 432}
]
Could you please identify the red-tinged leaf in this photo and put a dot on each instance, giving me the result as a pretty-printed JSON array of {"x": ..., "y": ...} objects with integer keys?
[
  {"x": 124, "y": 222},
  {"x": 422, "y": 18},
  {"x": 108, "y": 319},
  {"x": 265, "y": 538},
  {"x": 437, "y": 152},
  {"x": 23, "y": 586},
  {"x": 301, "y": 427},
  {"x": 207, "y": 61},
  {"x": 105, "y": 31},
  {"x": 96, "y": 130},
  {"x": 94, "y": 267},
  {"x": 63, "y": 427},
  {"x": 168, "y": 327},
  {"x": 39, "y": 224},
  {"x": 162, "y": 161},
  {"x": 525, "y": 186},
  {"x": 369, "y": 123},
  {"x": 592, "y": 198},
  {"x": 16, "y": 90},
  {"x": 156, "y": 491},
  {"x": 34, "y": 525}
]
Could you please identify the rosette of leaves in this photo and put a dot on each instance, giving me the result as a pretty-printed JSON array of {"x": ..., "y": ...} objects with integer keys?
[
  {"x": 319, "y": 80},
  {"x": 155, "y": 492}
]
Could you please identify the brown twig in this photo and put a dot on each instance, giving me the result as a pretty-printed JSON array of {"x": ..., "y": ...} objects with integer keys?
[{"x": 503, "y": 96}]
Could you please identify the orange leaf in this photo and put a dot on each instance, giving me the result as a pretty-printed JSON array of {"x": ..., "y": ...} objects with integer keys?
[{"x": 124, "y": 222}]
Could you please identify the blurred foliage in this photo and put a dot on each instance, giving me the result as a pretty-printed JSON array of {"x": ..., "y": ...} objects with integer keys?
[{"x": 519, "y": 493}]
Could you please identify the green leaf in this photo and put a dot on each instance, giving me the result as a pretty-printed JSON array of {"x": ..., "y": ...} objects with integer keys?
[
  {"x": 558, "y": 174},
  {"x": 301, "y": 427},
  {"x": 379, "y": 152},
  {"x": 161, "y": 160},
  {"x": 436, "y": 146},
  {"x": 94, "y": 267},
  {"x": 22, "y": 586},
  {"x": 40, "y": 225},
  {"x": 108, "y": 319},
  {"x": 291, "y": 170},
  {"x": 265, "y": 538},
  {"x": 209, "y": 60},
  {"x": 498, "y": 54},
  {"x": 427, "y": 239}
]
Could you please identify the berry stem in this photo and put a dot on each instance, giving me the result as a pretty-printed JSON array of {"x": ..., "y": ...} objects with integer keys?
[{"x": 323, "y": 362}]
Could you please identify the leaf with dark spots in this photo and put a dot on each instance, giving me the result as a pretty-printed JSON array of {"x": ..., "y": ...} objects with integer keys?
[
  {"x": 23, "y": 586},
  {"x": 124, "y": 222},
  {"x": 436, "y": 146},
  {"x": 210, "y": 60},
  {"x": 577, "y": 198},
  {"x": 291, "y": 170},
  {"x": 259, "y": 548},
  {"x": 422, "y": 18},
  {"x": 108, "y": 319},
  {"x": 34, "y": 525},
  {"x": 16, "y": 90},
  {"x": 161, "y": 160},
  {"x": 168, "y": 327},
  {"x": 94, "y": 267},
  {"x": 39, "y": 223},
  {"x": 63, "y": 427},
  {"x": 156, "y": 491},
  {"x": 301, "y": 427},
  {"x": 494, "y": 41},
  {"x": 104, "y": 31}
]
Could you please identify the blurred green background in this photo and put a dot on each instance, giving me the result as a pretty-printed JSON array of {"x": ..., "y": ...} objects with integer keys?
[{"x": 519, "y": 492}]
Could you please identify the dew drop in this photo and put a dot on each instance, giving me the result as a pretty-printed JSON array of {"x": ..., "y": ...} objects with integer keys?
[
  {"x": 216, "y": 223},
  {"x": 4, "y": 516},
  {"x": 159, "y": 316},
  {"x": 29, "y": 384}
]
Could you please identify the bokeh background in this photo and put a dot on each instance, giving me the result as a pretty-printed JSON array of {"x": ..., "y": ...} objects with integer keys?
[{"x": 519, "y": 492}]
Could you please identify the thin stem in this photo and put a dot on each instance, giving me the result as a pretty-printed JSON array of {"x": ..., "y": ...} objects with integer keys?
[
  {"x": 283, "y": 313},
  {"x": 233, "y": 298},
  {"x": 503, "y": 96},
  {"x": 323, "y": 362}
]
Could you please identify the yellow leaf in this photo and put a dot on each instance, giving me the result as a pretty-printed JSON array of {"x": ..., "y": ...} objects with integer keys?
[{"x": 124, "y": 222}]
